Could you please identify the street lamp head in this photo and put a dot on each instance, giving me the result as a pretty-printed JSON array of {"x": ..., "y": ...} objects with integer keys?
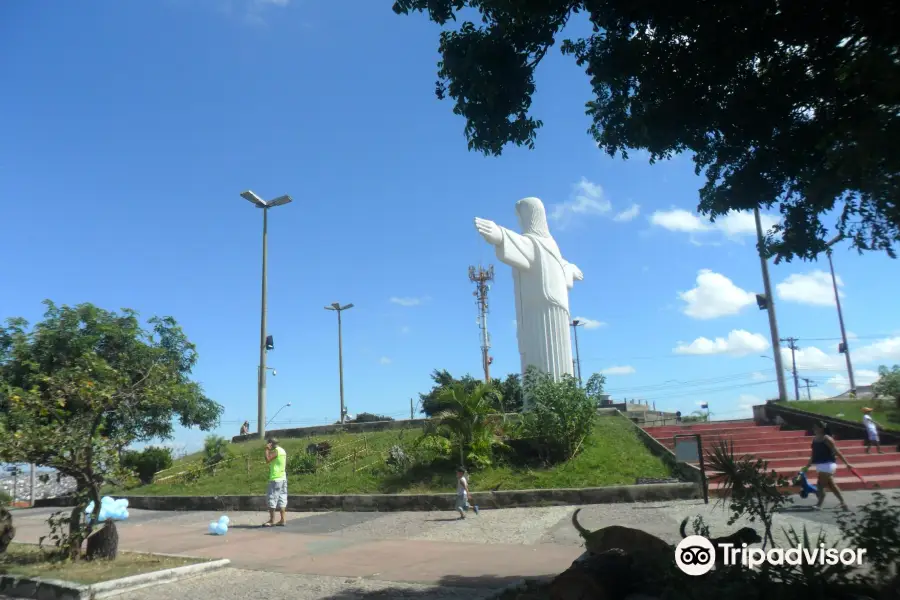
[
  {"x": 251, "y": 197},
  {"x": 345, "y": 307},
  {"x": 280, "y": 200},
  {"x": 274, "y": 373},
  {"x": 576, "y": 322},
  {"x": 834, "y": 241},
  {"x": 336, "y": 306},
  {"x": 288, "y": 404}
]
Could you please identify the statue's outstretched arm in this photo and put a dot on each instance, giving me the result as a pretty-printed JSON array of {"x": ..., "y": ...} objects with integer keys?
[{"x": 513, "y": 249}]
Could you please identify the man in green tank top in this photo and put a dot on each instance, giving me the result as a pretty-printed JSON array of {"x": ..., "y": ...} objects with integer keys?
[{"x": 277, "y": 497}]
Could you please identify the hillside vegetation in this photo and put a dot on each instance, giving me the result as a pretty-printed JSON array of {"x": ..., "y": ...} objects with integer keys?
[{"x": 363, "y": 463}]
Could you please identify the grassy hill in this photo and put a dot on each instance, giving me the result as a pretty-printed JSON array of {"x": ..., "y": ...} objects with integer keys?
[
  {"x": 885, "y": 413},
  {"x": 613, "y": 455}
]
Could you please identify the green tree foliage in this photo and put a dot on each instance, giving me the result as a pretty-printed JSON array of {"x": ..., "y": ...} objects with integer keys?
[
  {"x": 888, "y": 384},
  {"x": 796, "y": 104},
  {"x": 505, "y": 394},
  {"x": 561, "y": 414},
  {"x": 469, "y": 419},
  {"x": 147, "y": 462},
  {"x": 83, "y": 384}
]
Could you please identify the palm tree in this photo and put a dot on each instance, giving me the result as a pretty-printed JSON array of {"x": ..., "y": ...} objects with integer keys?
[{"x": 469, "y": 417}]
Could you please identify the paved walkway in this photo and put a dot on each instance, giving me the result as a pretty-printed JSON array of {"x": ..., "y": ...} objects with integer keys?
[{"x": 398, "y": 555}]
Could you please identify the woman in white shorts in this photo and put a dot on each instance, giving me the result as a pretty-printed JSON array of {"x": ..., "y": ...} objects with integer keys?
[{"x": 824, "y": 459}]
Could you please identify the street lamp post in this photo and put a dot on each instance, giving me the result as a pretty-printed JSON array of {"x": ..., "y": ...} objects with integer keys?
[
  {"x": 837, "y": 301},
  {"x": 261, "y": 383},
  {"x": 278, "y": 411},
  {"x": 575, "y": 325},
  {"x": 770, "y": 307},
  {"x": 336, "y": 307}
]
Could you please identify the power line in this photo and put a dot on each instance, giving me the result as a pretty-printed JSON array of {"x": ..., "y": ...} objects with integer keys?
[{"x": 695, "y": 392}]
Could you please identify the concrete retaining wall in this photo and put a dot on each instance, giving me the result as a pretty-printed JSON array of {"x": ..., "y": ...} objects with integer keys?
[
  {"x": 684, "y": 471},
  {"x": 656, "y": 492},
  {"x": 841, "y": 428},
  {"x": 318, "y": 430}
]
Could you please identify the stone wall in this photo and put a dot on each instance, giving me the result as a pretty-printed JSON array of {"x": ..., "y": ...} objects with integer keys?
[{"x": 656, "y": 492}]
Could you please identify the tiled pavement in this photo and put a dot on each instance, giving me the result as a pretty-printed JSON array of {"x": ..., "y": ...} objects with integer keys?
[{"x": 397, "y": 555}]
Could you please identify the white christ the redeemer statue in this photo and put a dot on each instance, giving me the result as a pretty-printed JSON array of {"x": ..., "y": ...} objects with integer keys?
[{"x": 542, "y": 280}]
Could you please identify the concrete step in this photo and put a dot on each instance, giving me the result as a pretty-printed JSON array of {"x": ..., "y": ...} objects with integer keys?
[
  {"x": 772, "y": 444},
  {"x": 864, "y": 469},
  {"x": 846, "y": 482},
  {"x": 771, "y": 455},
  {"x": 706, "y": 427},
  {"x": 798, "y": 459},
  {"x": 742, "y": 435}
]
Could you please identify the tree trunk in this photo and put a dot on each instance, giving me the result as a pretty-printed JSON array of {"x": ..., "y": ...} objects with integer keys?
[
  {"x": 104, "y": 543},
  {"x": 7, "y": 531}
]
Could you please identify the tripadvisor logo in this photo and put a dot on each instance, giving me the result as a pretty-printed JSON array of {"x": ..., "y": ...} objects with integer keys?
[{"x": 696, "y": 555}]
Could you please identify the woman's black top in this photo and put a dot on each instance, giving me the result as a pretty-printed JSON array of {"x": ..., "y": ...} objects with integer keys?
[{"x": 822, "y": 453}]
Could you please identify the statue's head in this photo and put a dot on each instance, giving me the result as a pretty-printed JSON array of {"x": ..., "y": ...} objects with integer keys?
[{"x": 532, "y": 216}]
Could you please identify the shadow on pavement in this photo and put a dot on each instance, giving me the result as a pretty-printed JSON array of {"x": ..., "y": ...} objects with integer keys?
[{"x": 454, "y": 587}]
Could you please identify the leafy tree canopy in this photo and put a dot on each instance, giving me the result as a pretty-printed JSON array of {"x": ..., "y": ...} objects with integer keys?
[
  {"x": 84, "y": 383},
  {"x": 793, "y": 103},
  {"x": 888, "y": 384},
  {"x": 508, "y": 399}
]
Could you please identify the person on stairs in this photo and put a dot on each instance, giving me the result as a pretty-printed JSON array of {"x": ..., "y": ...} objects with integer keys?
[
  {"x": 871, "y": 431},
  {"x": 824, "y": 457}
]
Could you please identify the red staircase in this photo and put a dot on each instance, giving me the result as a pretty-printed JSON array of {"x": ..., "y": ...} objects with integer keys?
[{"x": 788, "y": 451}]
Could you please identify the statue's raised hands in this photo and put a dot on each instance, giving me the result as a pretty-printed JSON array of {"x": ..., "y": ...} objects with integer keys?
[{"x": 489, "y": 230}]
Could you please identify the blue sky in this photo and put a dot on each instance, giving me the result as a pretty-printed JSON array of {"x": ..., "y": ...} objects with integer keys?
[{"x": 132, "y": 127}]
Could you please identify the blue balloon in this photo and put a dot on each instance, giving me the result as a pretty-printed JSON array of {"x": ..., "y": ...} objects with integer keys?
[
  {"x": 224, "y": 520},
  {"x": 221, "y": 528},
  {"x": 213, "y": 526}
]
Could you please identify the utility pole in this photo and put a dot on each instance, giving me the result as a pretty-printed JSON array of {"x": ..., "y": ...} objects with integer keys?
[
  {"x": 481, "y": 277},
  {"x": 411, "y": 409},
  {"x": 792, "y": 344},
  {"x": 767, "y": 303},
  {"x": 265, "y": 341},
  {"x": 336, "y": 307},
  {"x": 808, "y": 385},
  {"x": 844, "y": 347},
  {"x": 575, "y": 325}
]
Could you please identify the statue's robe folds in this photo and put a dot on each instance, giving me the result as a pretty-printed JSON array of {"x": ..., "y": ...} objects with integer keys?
[{"x": 542, "y": 280}]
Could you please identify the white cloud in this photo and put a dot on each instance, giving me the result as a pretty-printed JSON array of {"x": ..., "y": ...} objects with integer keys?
[
  {"x": 623, "y": 370},
  {"x": 738, "y": 343},
  {"x": 735, "y": 225},
  {"x": 407, "y": 301},
  {"x": 811, "y": 358},
  {"x": 841, "y": 383},
  {"x": 589, "y": 323},
  {"x": 748, "y": 401},
  {"x": 587, "y": 199},
  {"x": 813, "y": 288},
  {"x": 715, "y": 296},
  {"x": 384, "y": 360},
  {"x": 628, "y": 215}
]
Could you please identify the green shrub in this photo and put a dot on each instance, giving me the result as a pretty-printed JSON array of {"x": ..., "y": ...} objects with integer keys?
[
  {"x": 301, "y": 463},
  {"x": 5, "y": 499},
  {"x": 561, "y": 416},
  {"x": 147, "y": 462},
  {"x": 215, "y": 450}
]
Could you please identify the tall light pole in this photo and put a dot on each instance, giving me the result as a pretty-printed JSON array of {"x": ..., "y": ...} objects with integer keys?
[
  {"x": 769, "y": 305},
  {"x": 278, "y": 411},
  {"x": 261, "y": 383},
  {"x": 336, "y": 307},
  {"x": 575, "y": 325},
  {"x": 837, "y": 301}
]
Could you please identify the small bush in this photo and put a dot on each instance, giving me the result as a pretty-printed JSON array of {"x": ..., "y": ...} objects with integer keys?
[
  {"x": 369, "y": 418},
  {"x": 302, "y": 463},
  {"x": 5, "y": 499},
  {"x": 147, "y": 462},
  {"x": 322, "y": 449},
  {"x": 215, "y": 450},
  {"x": 562, "y": 415},
  {"x": 397, "y": 459}
]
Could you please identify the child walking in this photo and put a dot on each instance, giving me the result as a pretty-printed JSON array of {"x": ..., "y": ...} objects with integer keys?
[
  {"x": 871, "y": 431},
  {"x": 462, "y": 494}
]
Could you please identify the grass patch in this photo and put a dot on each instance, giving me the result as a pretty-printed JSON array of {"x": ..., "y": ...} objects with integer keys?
[
  {"x": 26, "y": 560},
  {"x": 886, "y": 414},
  {"x": 613, "y": 455}
]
